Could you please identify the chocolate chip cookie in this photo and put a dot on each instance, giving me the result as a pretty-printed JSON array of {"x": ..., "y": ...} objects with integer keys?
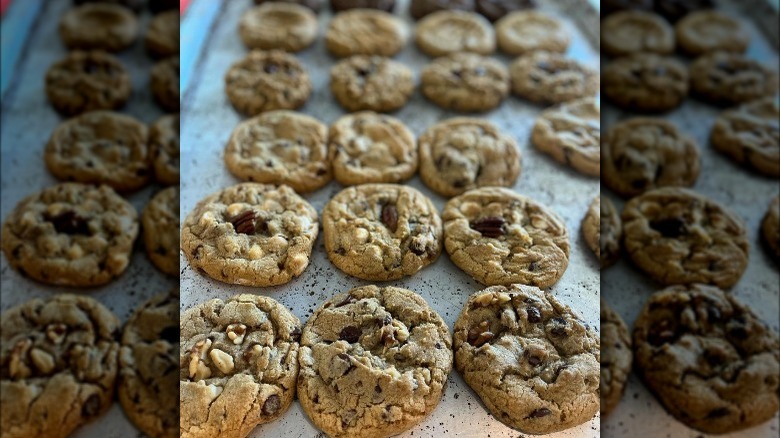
[
  {"x": 266, "y": 81},
  {"x": 591, "y": 226},
  {"x": 373, "y": 362},
  {"x": 494, "y": 10},
  {"x": 371, "y": 83},
  {"x": 162, "y": 36},
  {"x": 731, "y": 79},
  {"x": 71, "y": 234},
  {"x": 164, "y": 146},
  {"x": 645, "y": 82},
  {"x": 627, "y": 32},
  {"x": 529, "y": 357},
  {"x": 570, "y": 133},
  {"x": 421, "y": 8},
  {"x": 750, "y": 135},
  {"x": 770, "y": 226},
  {"x": 98, "y": 26},
  {"x": 679, "y": 237},
  {"x": 87, "y": 81},
  {"x": 250, "y": 234},
  {"x": 161, "y": 230},
  {"x": 643, "y": 153},
  {"x": 465, "y": 153},
  {"x": 381, "y": 232},
  {"x": 465, "y": 82},
  {"x": 367, "y": 147},
  {"x": 343, "y": 5},
  {"x": 500, "y": 237},
  {"x": 238, "y": 363},
  {"x": 616, "y": 360},
  {"x": 674, "y": 10},
  {"x": 283, "y": 26},
  {"x": 521, "y": 33},
  {"x": 58, "y": 359},
  {"x": 100, "y": 147},
  {"x": 165, "y": 84},
  {"x": 314, "y": 5},
  {"x": 708, "y": 358},
  {"x": 365, "y": 32},
  {"x": 446, "y": 32},
  {"x": 550, "y": 78},
  {"x": 280, "y": 147},
  {"x": 711, "y": 31}
]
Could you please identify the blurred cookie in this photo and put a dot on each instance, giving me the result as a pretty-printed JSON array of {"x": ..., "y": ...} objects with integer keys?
[
  {"x": 494, "y": 10},
  {"x": 616, "y": 358},
  {"x": 98, "y": 26},
  {"x": 674, "y": 10},
  {"x": 465, "y": 82},
  {"x": 750, "y": 135},
  {"x": 420, "y": 8},
  {"x": 711, "y": 31},
  {"x": 87, "y": 81},
  {"x": 627, "y": 32},
  {"x": 731, "y": 79},
  {"x": 590, "y": 227},
  {"x": 645, "y": 82},
  {"x": 550, "y": 78},
  {"x": 283, "y": 26},
  {"x": 770, "y": 226},
  {"x": 365, "y": 32},
  {"x": 521, "y": 33},
  {"x": 160, "y": 222},
  {"x": 570, "y": 133},
  {"x": 611, "y": 233},
  {"x": 435, "y": 34},
  {"x": 164, "y": 149},
  {"x": 165, "y": 84},
  {"x": 371, "y": 83},
  {"x": 162, "y": 36}
]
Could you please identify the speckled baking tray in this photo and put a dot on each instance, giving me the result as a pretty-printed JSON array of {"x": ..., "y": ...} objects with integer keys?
[
  {"x": 27, "y": 122},
  {"x": 626, "y": 288},
  {"x": 207, "y": 121}
]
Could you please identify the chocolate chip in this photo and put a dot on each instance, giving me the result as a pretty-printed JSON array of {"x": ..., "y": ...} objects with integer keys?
[
  {"x": 272, "y": 404},
  {"x": 91, "y": 406},
  {"x": 349, "y": 299},
  {"x": 69, "y": 222},
  {"x": 670, "y": 227},
  {"x": 739, "y": 332},
  {"x": 390, "y": 217},
  {"x": 244, "y": 222},
  {"x": 295, "y": 334},
  {"x": 719, "y": 412},
  {"x": 170, "y": 334},
  {"x": 491, "y": 226},
  {"x": 534, "y": 315},
  {"x": 438, "y": 346},
  {"x": 459, "y": 184},
  {"x": 560, "y": 328},
  {"x": 533, "y": 360},
  {"x": 713, "y": 313},
  {"x": 539, "y": 413},
  {"x": 713, "y": 357},
  {"x": 387, "y": 320},
  {"x": 417, "y": 247},
  {"x": 378, "y": 389},
  {"x": 532, "y": 267},
  {"x": 271, "y": 68},
  {"x": 350, "y": 334},
  {"x": 661, "y": 333}
]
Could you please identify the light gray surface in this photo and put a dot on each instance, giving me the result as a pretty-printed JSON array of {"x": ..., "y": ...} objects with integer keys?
[
  {"x": 27, "y": 121},
  {"x": 207, "y": 122}
]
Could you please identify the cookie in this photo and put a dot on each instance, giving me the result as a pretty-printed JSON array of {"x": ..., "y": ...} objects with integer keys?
[
  {"x": 465, "y": 153},
  {"x": 162, "y": 36},
  {"x": 680, "y": 237},
  {"x": 371, "y": 83},
  {"x": 164, "y": 149},
  {"x": 343, "y": 5},
  {"x": 465, "y": 82},
  {"x": 446, "y": 32},
  {"x": 161, "y": 230},
  {"x": 674, "y": 10},
  {"x": 529, "y": 357},
  {"x": 71, "y": 234},
  {"x": 611, "y": 6},
  {"x": 148, "y": 389},
  {"x": 616, "y": 360},
  {"x": 165, "y": 84},
  {"x": 238, "y": 363},
  {"x": 365, "y": 32},
  {"x": 367, "y": 147},
  {"x": 591, "y": 226},
  {"x": 250, "y": 234},
  {"x": 570, "y": 133},
  {"x": 610, "y": 235},
  {"x": 494, "y": 10},
  {"x": 750, "y": 135},
  {"x": 421, "y": 8},
  {"x": 550, "y": 78},
  {"x": 707, "y": 358},
  {"x": 283, "y": 26},
  {"x": 381, "y": 232},
  {"x": 373, "y": 362},
  {"x": 133, "y": 5},
  {"x": 644, "y": 153},
  {"x": 98, "y": 26},
  {"x": 280, "y": 147},
  {"x": 645, "y": 82},
  {"x": 770, "y": 227},
  {"x": 87, "y": 81},
  {"x": 710, "y": 31},
  {"x": 56, "y": 353},
  {"x": 523, "y": 32},
  {"x": 267, "y": 81},
  {"x": 100, "y": 147},
  {"x": 731, "y": 79},
  {"x": 499, "y": 237},
  {"x": 627, "y": 32}
]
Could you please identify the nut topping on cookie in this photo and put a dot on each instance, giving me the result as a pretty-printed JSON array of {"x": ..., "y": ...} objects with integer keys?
[
  {"x": 56, "y": 332},
  {"x": 480, "y": 334},
  {"x": 69, "y": 222},
  {"x": 222, "y": 360},
  {"x": 350, "y": 334},
  {"x": 489, "y": 226},
  {"x": 245, "y": 222},
  {"x": 390, "y": 217},
  {"x": 236, "y": 333},
  {"x": 669, "y": 227}
]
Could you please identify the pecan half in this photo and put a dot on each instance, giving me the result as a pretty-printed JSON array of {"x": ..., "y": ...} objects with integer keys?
[
  {"x": 244, "y": 222},
  {"x": 480, "y": 334},
  {"x": 69, "y": 222},
  {"x": 489, "y": 226},
  {"x": 390, "y": 217}
]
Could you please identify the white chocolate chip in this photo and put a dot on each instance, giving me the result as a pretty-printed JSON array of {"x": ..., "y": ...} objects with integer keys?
[
  {"x": 222, "y": 360},
  {"x": 539, "y": 223},
  {"x": 234, "y": 209},
  {"x": 42, "y": 360},
  {"x": 255, "y": 252},
  {"x": 361, "y": 235}
]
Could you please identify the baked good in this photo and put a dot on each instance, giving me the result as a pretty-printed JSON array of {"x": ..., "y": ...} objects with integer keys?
[
  {"x": 283, "y": 26},
  {"x": 343, "y": 5},
  {"x": 98, "y": 26},
  {"x": 314, "y": 5},
  {"x": 133, "y": 5},
  {"x": 609, "y": 7},
  {"x": 381, "y": 232},
  {"x": 365, "y": 32},
  {"x": 165, "y": 84},
  {"x": 627, "y": 32},
  {"x": 645, "y": 82},
  {"x": 280, "y": 147},
  {"x": 161, "y": 230},
  {"x": 770, "y": 227},
  {"x": 730, "y": 79},
  {"x": 711, "y": 31},
  {"x": 162, "y": 36},
  {"x": 461, "y": 154},
  {"x": 544, "y": 77},
  {"x": 420, "y": 8},
  {"x": 529, "y": 357},
  {"x": 570, "y": 133},
  {"x": 750, "y": 135},
  {"x": 591, "y": 226},
  {"x": 373, "y": 362},
  {"x": 372, "y": 83},
  {"x": 451, "y": 31},
  {"x": 465, "y": 82},
  {"x": 523, "y": 32},
  {"x": 164, "y": 149},
  {"x": 500, "y": 237},
  {"x": 494, "y": 10},
  {"x": 674, "y": 10},
  {"x": 610, "y": 235},
  {"x": 615, "y": 360}
]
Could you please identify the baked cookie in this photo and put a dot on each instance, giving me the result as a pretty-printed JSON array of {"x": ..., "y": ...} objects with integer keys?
[
  {"x": 680, "y": 237},
  {"x": 87, "y": 81},
  {"x": 373, "y": 362},
  {"x": 133, "y": 5},
  {"x": 100, "y": 147},
  {"x": 238, "y": 363},
  {"x": 707, "y": 358},
  {"x": 674, "y": 10},
  {"x": 523, "y": 32},
  {"x": 609, "y": 7},
  {"x": 446, "y": 32},
  {"x": 591, "y": 226},
  {"x": 500, "y": 237},
  {"x": 98, "y": 26},
  {"x": 529, "y": 357},
  {"x": 161, "y": 230},
  {"x": 365, "y": 32},
  {"x": 148, "y": 389},
  {"x": 494, "y": 10},
  {"x": 550, "y": 78},
  {"x": 611, "y": 233},
  {"x": 371, "y": 83},
  {"x": 165, "y": 84},
  {"x": 71, "y": 234},
  {"x": 164, "y": 145},
  {"x": 283, "y": 26},
  {"x": 280, "y": 147},
  {"x": 750, "y": 135},
  {"x": 381, "y": 232},
  {"x": 465, "y": 82},
  {"x": 343, "y": 5},
  {"x": 645, "y": 82},
  {"x": 56, "y": 353},
  {"x": 421, "y": 8},
  {"x": 627, "y": 32},
  {"x": 162, "y": 36},
  {"x": 250, "y": 234},
  {"x": 368, "y": 147},
  {"x": 731, "y": 79},
  {"x": 616, "y": 360},
  {"x": 710, "y": 31},
  {"x": 465, "y": 153},
  {"x": 266, "y": 81},
  {"x": 314, "y": 5},
  {"x": 570, "y": 133},
  {"x": 770, "y": 226},
  {"x": 644, "y": 153}
]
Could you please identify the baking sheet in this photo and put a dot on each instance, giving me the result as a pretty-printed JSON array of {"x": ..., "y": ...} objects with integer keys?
[
  {"x": 626, "y": 288},
  {"x": 207, "y": 121},
  {"x": 27, "y": 123}
]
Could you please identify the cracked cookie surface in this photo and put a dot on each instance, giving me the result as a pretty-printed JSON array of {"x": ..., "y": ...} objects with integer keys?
[
  {"x": 162, "y": 36},
  {"x": 710, "y": 31},
  {"x": 283, "y": 26},
  {"x": 161, "y": 230},
  {"x": 523, "y": 32},
  {"x": 530, "y": 358},
  {"x": 365, "y": 32},
  {"x": 615, "y": 359},
  {"x": 611, "y": 233},
  {"x": 164, "y": 149},
  {"x": 571, "y": 133},
  {"x": 645, "y": 82},
  {"x": 770, "y": 227},
  {"x": 590, "y": 227},
  {"x": 731, "y": 79},
  {"x": 165, "y": 83},
  {"x": 465, "y": 82},
  {"x": 627, "y": 32},
  {"x": 98, "y": 26},
  {"x": 373, "y": 362},
  {"x": 750, "y": 135},
  {"x": 451, "y": 31},
  {"x": 549, "y": 78},
  {"x": 371, "y": 83}
]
